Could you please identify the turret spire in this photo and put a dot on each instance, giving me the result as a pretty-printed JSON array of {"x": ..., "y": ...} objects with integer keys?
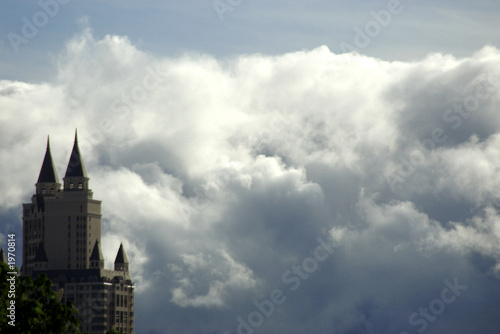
[
  {"x": 48, "y": 173},
  {"x": 96, "y": 258},
  {"x": 41, "y": 255},
  {"x": 76, "y": 168},
  {"x": 121, "y": 261}
]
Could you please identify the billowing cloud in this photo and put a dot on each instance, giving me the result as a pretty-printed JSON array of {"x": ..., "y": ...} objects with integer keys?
[{"x": 303, "y": 193}]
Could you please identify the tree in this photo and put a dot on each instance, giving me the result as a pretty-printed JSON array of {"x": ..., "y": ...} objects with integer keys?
[
  {"x": 38, "y": 309},
  {"x": 113, "y": 331}
]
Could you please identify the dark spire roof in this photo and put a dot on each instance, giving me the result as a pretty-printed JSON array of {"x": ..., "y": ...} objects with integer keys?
[
  {"x": 96, "y": 252},
  {"x": 76, "y": 168},
  {"x": 121, "y": 257},
  {"x": 3, "y": 258},
  {"x": 40, "y": 255},
  {"x": 48, "y": 172}
]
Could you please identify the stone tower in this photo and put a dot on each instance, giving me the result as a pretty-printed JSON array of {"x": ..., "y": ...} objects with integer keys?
[{"x": 62, "y": 238}]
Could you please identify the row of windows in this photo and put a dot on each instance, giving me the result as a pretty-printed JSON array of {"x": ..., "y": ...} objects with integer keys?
[
  {"x": 35, "y": 235},
  {"x": 120, "y": 301},
  {"x": 122, "y": 287},
  {"x": 33, "y": 224},
  {"x": 80, "y": 226},
  {"x": 99, "y": 327},
  {"x": 80, "y": 235},
  {"x": 91, "y": 287},
  {"x": 72, "y": 186},
  {"x": 79, "y": 250},
  {"x": 124, "y": 329},
  {"x": 32, "y": 249},
  {"x": 82, "y": 218},
  {"x": 121, "y": 317},
  {"x": 41, "y": 266}
]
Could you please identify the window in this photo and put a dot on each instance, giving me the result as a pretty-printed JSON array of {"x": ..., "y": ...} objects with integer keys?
[
  {"x": 71, "y": 186},
  {"x": 80, "y": 186},
  {"x": 52, "y": 191},
  {"x": 44, "y": 191}
]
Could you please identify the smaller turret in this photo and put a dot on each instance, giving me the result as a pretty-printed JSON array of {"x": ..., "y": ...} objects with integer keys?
[
  {"x": 96, "y": 258},
  {"x": 121, "y": 261},
  {"x": 76, "y": 175},
  {"x": 48, "y": 182},
  {"x": 41, "y": 262}
]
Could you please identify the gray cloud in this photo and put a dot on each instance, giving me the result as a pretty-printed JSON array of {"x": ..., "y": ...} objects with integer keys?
[{"x": 220, "y": 176}]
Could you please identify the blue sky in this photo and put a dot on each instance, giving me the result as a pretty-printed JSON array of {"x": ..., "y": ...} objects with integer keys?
[
  {"x": 261, "y": 179},
  {"x": 268, "y": 27}
]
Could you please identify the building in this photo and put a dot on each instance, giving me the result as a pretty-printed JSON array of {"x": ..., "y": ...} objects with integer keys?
[{"x": 62, "y": 238}]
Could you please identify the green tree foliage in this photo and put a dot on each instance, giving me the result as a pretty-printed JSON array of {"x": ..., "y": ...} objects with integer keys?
[
  {"x": 38, "y": 309},
  {"x": 112, "y": 332}
]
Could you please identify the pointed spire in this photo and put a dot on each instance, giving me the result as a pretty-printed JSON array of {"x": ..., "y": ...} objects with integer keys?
[
  {"x": 40, "y": 255},
  {"x": 76, "y": 168},
  {"x": 121, "y": 257},
  {"x": 96, "y": 258},
  {"x": 96, "y": 252},
  {"x": 48, "y": 172},
  {"x": 3, "y": 258},
  {"x": 121, "y": 261}
]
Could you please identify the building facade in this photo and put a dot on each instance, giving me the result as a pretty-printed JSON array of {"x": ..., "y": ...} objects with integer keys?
[{"x": 62, "y": 239}]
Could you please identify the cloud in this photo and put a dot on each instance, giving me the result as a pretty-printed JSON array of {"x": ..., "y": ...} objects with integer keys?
[
  {"x": 232, "y": 276},
  {"x": 219, "y": 176}
]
